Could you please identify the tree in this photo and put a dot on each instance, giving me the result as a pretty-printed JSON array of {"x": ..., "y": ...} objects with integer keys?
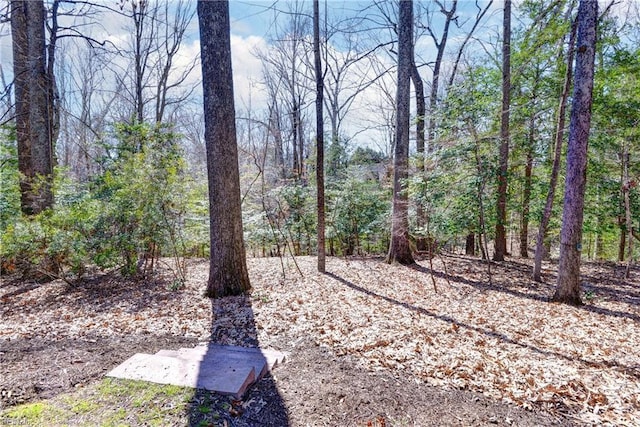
[
  {"x": 400, "y": 248},
  {"x": 289, "y": 81},
  {"x": 617, "y": 115},
  {"x": 568, "y": 285},
  {"x": 152, "y": 79},
  {"x": 441, "y": 44},
  {"x": 421, "y": 242},
  {"x": 319, "y": 135},
  {"x": 34, "y": 112},
  {"x": 501, "y": 208},
  {"x": 559, "y": 137},
  {"x": 171, "y": 36},
  {"x": 228, "y": 273}
]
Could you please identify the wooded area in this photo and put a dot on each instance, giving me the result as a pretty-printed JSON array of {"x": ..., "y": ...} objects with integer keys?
[
  {"x": 410, "y": 130},
  {"x": 118, "y": 122}
]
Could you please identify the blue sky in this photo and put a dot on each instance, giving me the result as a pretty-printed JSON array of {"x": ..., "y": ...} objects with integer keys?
[{"x": 252, "y": 29}]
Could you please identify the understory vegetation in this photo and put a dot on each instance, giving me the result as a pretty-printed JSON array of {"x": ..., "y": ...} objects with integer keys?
[{"x": 130, "y": 186}]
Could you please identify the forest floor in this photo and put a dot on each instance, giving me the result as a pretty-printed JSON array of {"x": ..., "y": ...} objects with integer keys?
[{"x": 370, "y": 344}]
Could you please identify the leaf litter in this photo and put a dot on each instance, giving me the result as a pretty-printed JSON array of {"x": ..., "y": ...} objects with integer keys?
[{"x": 503, "y": 340}]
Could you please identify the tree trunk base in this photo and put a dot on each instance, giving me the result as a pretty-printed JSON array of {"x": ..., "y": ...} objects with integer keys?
[
  {"x": 567, "y": 299},
  {"x": 470, "y": 245}
]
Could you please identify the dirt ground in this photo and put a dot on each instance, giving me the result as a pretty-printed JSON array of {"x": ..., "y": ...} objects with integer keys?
[
  {"x": 358, "y": 356},
  {"x": 314, "y": 388}
]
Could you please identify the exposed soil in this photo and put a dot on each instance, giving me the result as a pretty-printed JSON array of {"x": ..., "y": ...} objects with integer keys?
[
  {"x": 36, "y": 368},
  {"x": 370, "y": 344}
]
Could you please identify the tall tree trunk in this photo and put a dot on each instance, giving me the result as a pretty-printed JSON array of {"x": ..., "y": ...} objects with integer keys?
[
  {"x": 599, "y": 250},
  {"x": 400, "y": 248},
  {"x": 301, "y": 170},
  {"x": 501, "y": 208},
  {"x": 480, "y": 185},
  {"x": 470, "y": 244},
  {"x": 53, "y": 97},
  {"x": 33, "y": 106},
  {"x": 418, "y": 86},
  {"x": 275, "y": 126},
  {"x": 294, "y": 137},
  {"x": 141, "y": 55},
  {"x": 526, "y": 193},
  {"x": 622, "y": 242},
  {"x": 541, "y": 250},
  {"x": 450, "y": 15},
  {"x": 627, "y": 207},
  {"x": 227, "y": 269},
  {"x": 568, "y": 285},
  {"x": 319, "y": 135}
]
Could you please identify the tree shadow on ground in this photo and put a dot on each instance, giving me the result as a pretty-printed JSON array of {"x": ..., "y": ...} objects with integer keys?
[
  {"x": 527, "y": 288},
  {"x": 233, "y": 323},
  {"x": 102, "y": 292},
  {"x": 628, "y": 370}
]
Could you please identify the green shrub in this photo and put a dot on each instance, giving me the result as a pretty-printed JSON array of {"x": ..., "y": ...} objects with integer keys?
[
  {"x": 9, "y": 178},
  {"x": 126, "y": 218},
  {"x": 358, "y": 217}
]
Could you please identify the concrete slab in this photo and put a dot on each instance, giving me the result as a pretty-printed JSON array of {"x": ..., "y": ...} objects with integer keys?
[
  {"x": 270, "y": 354},
  {"x": 223, "y": 369},
  {"x": 226, "y": 377},
  {"x": 260, "y": 363}
]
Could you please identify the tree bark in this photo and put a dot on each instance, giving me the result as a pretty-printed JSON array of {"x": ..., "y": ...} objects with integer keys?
[
  {"x": 227, "y": 268},
  {"x": 568, "y": 285},
  {"x": 622, "y": 242},
  {"x": 33, "y": 106},
  {"x": 421, "y": 241},
  {"x": 294, "y": 136},
  {"x": 275, "y": 129},
  {"x": 141, "y": 56},
  {"x": 526, "y": 193},
  {"x": 626, "y": 188},
  {"x": 470, "y": 244},
  {"x": 319, "y": 136},
  {"x": 400, "y": 248},
  {"x": 541, "y": 249},
  {"x": 450, "y": 15},
  {"x": 501, "y": 208}
]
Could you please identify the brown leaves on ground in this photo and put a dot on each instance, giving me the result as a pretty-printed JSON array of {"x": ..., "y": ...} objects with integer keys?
[{"x": 503, "y": 339}]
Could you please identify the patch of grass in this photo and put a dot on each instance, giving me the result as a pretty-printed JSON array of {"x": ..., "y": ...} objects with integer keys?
[
  {"x": 117, "y": 387},
  {"x": 111, "y": 387},
  {"x": 80, "y": 406},
  {"x": 116, "y": 418},
  {"x": 110, "y": 402},
  {"x": 174, "y": 390},
  {"x": 32, "y": 414}
]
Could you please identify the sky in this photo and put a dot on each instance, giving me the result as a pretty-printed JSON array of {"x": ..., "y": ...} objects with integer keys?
[{"x": 252, "y": 29}]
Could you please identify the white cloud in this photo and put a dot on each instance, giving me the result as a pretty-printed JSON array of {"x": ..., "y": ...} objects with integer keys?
[{"x": 247, "y": 72}]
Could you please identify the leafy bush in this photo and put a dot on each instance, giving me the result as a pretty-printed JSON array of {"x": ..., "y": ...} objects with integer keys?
[
  {"x": 126, "y": 218},
  {"x": 285, "y": 216},
  {"x": 9, "y": 177},
  {"x": 358, "y": 217}
]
